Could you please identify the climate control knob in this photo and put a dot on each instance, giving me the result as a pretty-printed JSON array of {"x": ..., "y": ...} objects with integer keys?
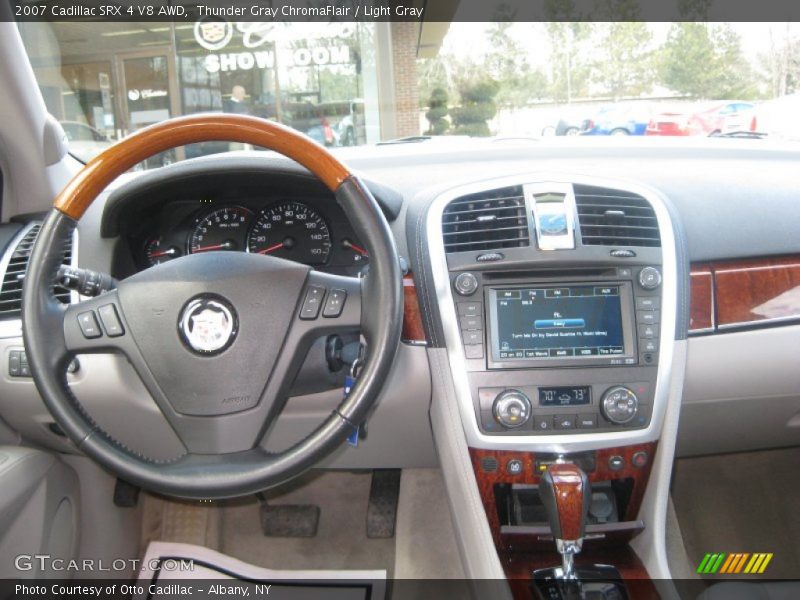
[
  {"x": 512, "y": 409},
  {"x": 619, "y": 405}
]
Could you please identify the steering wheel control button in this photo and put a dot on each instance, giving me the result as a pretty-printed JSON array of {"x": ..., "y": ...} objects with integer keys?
[
  {"x": 312, "y": 302},
  {"x": 89, "y": 326},
  {"x": 649, "y": 278},
  {"x": 334, "y": 305},
  {"x": 466, "y": 284},
  {"x": 619, "y": 405},
  {"x": 514, "y": 467},
  {"x": 639, "y": 459},
  {"x": 616, "y": 463},
  {"x": 14, "y": 363},
  {"x": 208, "y": 325},
  {"x": 110, "y": 318},
  {"x": 512, "y": 409}
]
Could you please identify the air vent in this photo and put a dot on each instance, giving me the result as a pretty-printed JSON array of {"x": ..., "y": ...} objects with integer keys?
[
  {"x": 615, "y": 218},
  {"x": 486, "y": 221},
  {"x": 11, "y": 289}
]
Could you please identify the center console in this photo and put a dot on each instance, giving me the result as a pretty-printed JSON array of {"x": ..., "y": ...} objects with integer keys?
[{"x": 559, "y": 310}]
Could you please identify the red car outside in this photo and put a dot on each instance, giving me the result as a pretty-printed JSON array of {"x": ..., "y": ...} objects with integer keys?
[{"x": 709, "y": 119}]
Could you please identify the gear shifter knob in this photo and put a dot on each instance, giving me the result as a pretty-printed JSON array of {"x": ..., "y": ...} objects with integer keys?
[{"x": 565, "y": 492}]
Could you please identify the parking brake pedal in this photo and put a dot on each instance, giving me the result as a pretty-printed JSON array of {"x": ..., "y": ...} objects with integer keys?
[
  {"x": 288, "y": 520},
  {"x": 382, "y": 510}
]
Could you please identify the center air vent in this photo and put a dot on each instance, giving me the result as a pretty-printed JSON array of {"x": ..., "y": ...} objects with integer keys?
[
  {"x": 486, "y": 221},
  {"x": 11, "y": 289},
  {"x": 615, "y": 218}
]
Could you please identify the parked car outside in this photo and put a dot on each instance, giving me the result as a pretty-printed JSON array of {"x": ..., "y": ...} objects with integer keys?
[
  {"x": 708, "y": 118},
  {"x": 85, "y": 142},
  {"x": 565, "y": 123},
  {"x": 618, "y": 119}
]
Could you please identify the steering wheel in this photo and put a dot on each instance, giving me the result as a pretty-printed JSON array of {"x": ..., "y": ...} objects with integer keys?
[{"x": 217, "y": 337}]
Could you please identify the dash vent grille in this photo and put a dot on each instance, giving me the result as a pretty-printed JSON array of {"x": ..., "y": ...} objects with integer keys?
[
  {"x": 11, "y": 287},
  {"x": 486, "y": 221},
  {"x": 615, "y": 218}
]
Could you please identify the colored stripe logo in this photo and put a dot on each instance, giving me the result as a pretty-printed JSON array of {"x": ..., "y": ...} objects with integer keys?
[{"x": 734, "y": 563}]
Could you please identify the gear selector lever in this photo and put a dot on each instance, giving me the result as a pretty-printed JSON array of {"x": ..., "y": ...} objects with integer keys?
[{"x": 566, "y": 494}]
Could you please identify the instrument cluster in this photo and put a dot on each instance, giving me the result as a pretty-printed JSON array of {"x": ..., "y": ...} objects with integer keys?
[{"x": 308, "y": 231}]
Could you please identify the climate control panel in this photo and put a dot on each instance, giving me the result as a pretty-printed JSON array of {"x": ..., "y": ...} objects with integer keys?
[{"x": 549, "y": 410}]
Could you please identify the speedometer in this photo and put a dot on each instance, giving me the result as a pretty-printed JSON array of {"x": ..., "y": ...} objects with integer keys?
[
  {"x": 291, "y": 230},
  {"x": 222, "y": 229}
]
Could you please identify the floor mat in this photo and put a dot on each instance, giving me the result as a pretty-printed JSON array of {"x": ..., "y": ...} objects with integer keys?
[
  {"x": 748, "y": 502},
  {"x": 341, "y": 541}
]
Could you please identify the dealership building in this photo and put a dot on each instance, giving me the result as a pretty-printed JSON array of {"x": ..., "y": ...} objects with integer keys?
[{"x": 119, "y": 77}]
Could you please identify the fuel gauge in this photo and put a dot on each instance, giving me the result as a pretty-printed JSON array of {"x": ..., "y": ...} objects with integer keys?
[
  {"x": 360, "y": 255},
  {"x": 156, "y": 252}
]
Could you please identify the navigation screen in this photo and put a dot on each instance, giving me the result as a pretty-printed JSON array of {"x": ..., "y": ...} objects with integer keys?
[{"x": 559, "y": 322}]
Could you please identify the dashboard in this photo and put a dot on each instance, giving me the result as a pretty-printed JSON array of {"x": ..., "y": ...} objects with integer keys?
[{"x": 167, "y": 210}]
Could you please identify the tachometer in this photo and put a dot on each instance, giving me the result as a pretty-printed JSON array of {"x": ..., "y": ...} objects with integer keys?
[
  {"x": 291, "y": 230},
  {"x": 222, "y": 229},
  {"x": 157, "y": 252}
]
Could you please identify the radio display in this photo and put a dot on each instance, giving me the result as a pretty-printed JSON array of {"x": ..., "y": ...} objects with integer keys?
[{"x": 567, "y": 322}]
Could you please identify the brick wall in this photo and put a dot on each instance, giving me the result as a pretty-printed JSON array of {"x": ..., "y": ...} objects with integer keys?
[{"x": 405, "y": 37}]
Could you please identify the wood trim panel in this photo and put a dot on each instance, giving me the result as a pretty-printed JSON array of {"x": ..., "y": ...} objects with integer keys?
[
  {"x": 757, "y": 290},
  {"x": 701, "y": 313},
  {"x": 745, "y": 292},
  {"x": 520, "y": 557},
  {"x": 413, "y": 329},
  {"x": 487, "y": 480},
  {"x": 79, "y": 193}
]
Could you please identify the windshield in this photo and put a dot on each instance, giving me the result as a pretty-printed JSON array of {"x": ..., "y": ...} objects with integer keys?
[{"x": 350, "y": 84}]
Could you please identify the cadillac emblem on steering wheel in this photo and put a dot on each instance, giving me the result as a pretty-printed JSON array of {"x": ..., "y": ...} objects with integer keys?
[{"x": 208, "y": 325}]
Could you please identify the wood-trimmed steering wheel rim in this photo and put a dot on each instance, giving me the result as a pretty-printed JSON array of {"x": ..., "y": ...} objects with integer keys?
[{"x": 99, "y": 172}]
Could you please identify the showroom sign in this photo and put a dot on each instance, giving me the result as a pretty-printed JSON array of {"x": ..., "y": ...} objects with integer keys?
[{"x": 257, "y": 40}]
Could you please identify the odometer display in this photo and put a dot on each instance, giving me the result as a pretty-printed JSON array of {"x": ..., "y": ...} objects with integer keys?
[
  {"x": 222, "y": 229},
  {"x": 293, "y": 231}
]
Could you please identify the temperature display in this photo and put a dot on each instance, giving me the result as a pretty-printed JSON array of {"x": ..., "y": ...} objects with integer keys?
[{"x": 565, "y": 396}]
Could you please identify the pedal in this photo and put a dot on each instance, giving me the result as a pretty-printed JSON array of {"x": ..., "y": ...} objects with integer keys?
[
  {"x": 289, "y": 520},
  {"x": 383, "y": 496}
]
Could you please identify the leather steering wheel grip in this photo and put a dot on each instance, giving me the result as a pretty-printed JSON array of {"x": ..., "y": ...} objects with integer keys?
[{"x": 211, "y": 475}]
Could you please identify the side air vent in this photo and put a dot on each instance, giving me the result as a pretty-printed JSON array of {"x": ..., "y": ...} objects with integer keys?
[
  {"x": 615, "y": 218},
  {"x": 11, "y": 289},
  {"x": 486, "y": 221}
]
